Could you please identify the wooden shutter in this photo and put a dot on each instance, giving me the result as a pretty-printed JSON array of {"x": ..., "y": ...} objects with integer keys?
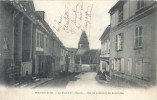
[
  {"x": 122, "y": 40},
  {"x": 116, "y": 44},
  {"x": 146, "y": 69},
  {"x": 122, "y": 65},
  {"x": 139, "y": 68},
  {"x": 129, "y": 69},
  {"x": 140, "y": 36},
  {"x": 114, "y": 66},
  {"x": 136, "y": 37},
  {"x": 117, "y": 64}
]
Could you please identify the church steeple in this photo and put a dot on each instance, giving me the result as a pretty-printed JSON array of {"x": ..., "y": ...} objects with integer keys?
[{"x": 83, "y": 42}]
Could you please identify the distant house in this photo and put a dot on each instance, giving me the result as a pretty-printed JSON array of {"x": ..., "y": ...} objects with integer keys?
[
  {"x": 105, "y": 50},
  {"x": 63, "y": 59},
  {"x": 71, "y": 56}
]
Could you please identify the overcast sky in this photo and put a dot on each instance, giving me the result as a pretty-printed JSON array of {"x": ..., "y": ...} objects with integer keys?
[{"x": 55, "y": 12}]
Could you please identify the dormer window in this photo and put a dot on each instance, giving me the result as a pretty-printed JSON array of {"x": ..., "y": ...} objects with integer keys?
[
  {"x": 120, "y": 15},
  {"x": 140, "y": 4}
]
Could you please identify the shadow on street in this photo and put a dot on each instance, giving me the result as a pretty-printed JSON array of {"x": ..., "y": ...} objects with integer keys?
[
  {"x": 60, "y": 82},
  {"x": 117, "y": 83}
]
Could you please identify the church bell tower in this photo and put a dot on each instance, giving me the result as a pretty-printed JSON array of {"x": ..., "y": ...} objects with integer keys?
[{"x": 83, "y": 42}]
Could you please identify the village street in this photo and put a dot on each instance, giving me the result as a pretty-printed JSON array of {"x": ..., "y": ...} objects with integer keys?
[
  {"x": 85, "y": 79},
  {"x": 77, "y": 79}
]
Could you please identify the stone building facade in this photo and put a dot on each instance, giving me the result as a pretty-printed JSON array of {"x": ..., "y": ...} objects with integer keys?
[
  {"x": 28, "y": 46},
  {"x": 105, "y": 50},
  {"x": 133, "y": 40}
]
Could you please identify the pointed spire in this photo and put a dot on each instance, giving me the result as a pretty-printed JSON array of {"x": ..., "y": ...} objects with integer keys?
[{"x": 83, "y": 38}]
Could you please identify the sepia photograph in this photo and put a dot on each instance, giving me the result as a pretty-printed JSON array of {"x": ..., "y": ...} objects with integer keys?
[{"x": 78, "y": 49}]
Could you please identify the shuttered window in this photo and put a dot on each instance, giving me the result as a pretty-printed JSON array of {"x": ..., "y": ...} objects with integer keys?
[
  {"x": 119, "y": 41},
  {"x": 138, "y": 37},
  {"x": 122, "y": 65},
  {"x": 143, "y": 68},
  {"x": 114, "y": 67},
  {"x": 146, "y": 69},
  {"x": 139, "y": 67},
  {"x": 119, "y": 64},
  {"x": 129, "y": 66},
  {"x": 40, "y": 40},
  {"x": 116, "y": 43}
]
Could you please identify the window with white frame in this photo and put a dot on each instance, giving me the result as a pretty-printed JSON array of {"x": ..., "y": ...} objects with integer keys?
[
  {"x": 138, "y": 37},
  {"x": 119, "y": 41},
  {"x": 118, "y": 64},
  {"x": 39, "y": 40},
  {"x": 140, "y": 4}
]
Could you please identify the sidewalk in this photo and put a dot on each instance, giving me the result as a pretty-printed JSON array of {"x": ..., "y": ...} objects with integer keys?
[
  {"x": 117, "y": 82},
  {"x": 133, "y": 80},
  {"x": 44, "y": 80},
  {"x": 36, "y": 84}
]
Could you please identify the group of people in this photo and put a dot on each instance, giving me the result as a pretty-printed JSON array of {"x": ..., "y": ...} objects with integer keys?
[{"x": 105, "y": 75}]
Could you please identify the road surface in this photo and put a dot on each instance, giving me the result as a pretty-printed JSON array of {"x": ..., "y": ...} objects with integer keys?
[
  {"x": 84, "y": 80},
  {"x": 75, "y": 80}
]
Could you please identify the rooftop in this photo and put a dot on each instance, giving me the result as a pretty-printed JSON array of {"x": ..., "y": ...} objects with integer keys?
[
  {"x": 118, "y": 4},
  {"x": 107, "y": 30}
]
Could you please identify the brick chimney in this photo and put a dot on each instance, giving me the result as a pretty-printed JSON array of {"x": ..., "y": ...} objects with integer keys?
[{"x": 41, "y": 14}]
